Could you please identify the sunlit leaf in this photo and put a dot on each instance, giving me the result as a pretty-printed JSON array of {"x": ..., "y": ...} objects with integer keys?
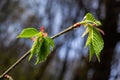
[
  {"x": 94, "y": 40},
  {"x": 91, "y": 19},
  {"x": 89, "y": 39},
  {"x": 97, "y": 42},
  {"x": 28, "y": 33}
]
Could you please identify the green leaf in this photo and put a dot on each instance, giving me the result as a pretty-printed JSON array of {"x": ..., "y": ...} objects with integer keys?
[
  {"x": 39, "y": 51},
  {"x": 97, "y": 42},
  {"x": 89, "y": 39},
  {"x": 28, "y": 33},
  {"x": 44, "y": 49},
  {"x": 91, "y": 19},
  {"x": 34, "y": 47},
  {"x": 41, "y": 48},
  {"x": 89, "y": 43},
  {"x": 94, "y": 40},
  {"x": 91, "y": 52},
  {"x": 50, "y": 42}
]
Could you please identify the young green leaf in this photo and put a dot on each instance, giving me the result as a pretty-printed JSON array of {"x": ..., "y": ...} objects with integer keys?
[
  {"x": 44, "y": 52},
  {"x": 89, "y": 43},
  {"x": 34, "y": 47},
  {"x": 38, "y": 51},
  {"x": 94, "y": 40},
  {"x": 97, "y": 42},
  {"x": 50, "y": 42},
  {"x": 91, "y": 19},
  {"x": 28, "y": 33},
  {"x": 44, "y": 49},
  {"x": 89, "y": 39},
  {"x": 91, "y": 52}
]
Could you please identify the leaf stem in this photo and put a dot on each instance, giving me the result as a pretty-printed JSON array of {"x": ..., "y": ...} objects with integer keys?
[{"x": 76, "y": 25}]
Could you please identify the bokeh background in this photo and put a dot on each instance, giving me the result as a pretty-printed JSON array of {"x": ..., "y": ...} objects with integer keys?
[{"x": 69, "y": 60}]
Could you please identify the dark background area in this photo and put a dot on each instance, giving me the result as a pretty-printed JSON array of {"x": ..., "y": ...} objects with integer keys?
[{"x": 69, "y": 60}]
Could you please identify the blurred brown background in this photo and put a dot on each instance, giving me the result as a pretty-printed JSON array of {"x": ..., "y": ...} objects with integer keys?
[{"x": 69, "y": 60}]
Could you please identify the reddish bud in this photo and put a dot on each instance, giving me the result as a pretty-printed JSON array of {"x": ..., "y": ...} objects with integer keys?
[
  {"x": 43, "y": 33},
  {"x": 42, "y": 28}
]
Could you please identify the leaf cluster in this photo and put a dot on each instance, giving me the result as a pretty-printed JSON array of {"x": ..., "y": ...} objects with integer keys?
[
  {"x": 94, "y": 40},
  {"x": 41, "y": 46}
]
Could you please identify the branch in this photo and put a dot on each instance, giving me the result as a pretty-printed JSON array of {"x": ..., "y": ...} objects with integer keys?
[{"x": 76, "y": 25}]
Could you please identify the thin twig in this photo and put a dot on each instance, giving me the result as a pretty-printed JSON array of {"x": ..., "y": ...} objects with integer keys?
[
  {"x": 16, "y": 63},
  {"x": 28, "y": 52}
]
